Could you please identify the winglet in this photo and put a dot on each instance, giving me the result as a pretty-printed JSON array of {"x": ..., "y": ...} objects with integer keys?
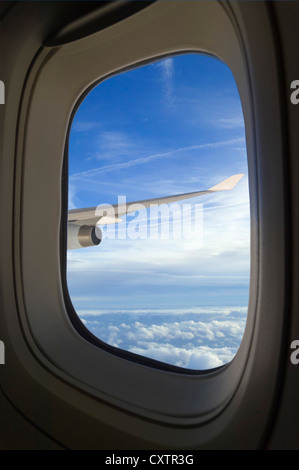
[
  {"x": 228, "y": 184},
  {"x": 106, "y": 220}
]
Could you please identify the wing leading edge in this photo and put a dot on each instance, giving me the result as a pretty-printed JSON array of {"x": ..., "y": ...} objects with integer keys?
[{"x": 109, "y": 214}]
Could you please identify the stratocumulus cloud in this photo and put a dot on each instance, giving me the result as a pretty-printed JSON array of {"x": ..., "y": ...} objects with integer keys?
[{"x": 184, "y": 339}]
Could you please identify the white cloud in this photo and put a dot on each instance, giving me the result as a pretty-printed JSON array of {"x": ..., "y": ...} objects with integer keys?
[
  {"x": 207, "y": 342},
  {"x": 85, "y": 126},
  {"x": 121, "y": 166},
  {"x": 72, "y": 196},
  {"x": 115, "y": 145},
  {"x": 201, "y": 358},
  {"x": 230, "y": 123},
  {"x": 142, "y": 160},
  {"x": 167, "y": 68},
  {"x": 224, "y": 250},
  {"x": 209, "y": 358},
  {"x": 215, "y": 311}
]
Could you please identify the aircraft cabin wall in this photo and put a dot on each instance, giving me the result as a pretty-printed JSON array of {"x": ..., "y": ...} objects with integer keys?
[
  {"x": 286, "y": 17},
  {"x": 58, "y": 390}
]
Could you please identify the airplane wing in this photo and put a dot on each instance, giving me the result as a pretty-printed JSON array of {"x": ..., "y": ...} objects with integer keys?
[{"x": 109, "y": 214}]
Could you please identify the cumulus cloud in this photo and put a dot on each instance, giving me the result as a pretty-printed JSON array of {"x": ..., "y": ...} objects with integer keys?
[{"x": 185, "y": 339}]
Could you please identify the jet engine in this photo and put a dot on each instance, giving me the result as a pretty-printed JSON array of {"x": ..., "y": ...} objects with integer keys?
[{"x": 82, "y": 236}]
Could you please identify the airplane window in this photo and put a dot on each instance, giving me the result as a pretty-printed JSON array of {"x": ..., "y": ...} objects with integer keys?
[{"x": 166, "y": 278}]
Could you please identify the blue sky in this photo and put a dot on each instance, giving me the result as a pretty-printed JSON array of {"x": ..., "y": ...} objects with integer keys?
[{"x": 170, "y": 127}]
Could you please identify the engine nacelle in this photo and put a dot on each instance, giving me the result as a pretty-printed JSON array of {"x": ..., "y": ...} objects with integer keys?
[{"x": 82, "y": 236}]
